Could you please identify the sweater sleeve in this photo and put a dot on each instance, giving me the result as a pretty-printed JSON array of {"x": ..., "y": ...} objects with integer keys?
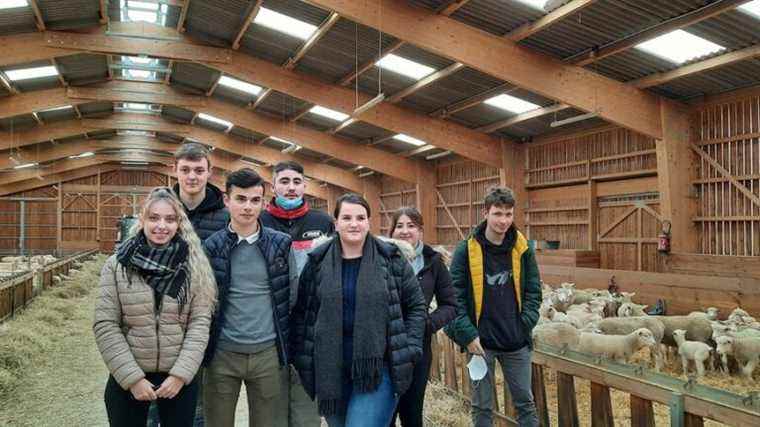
[
  {"x": 445, "y": 298},
  {"x": 532, "y": 290},
  {"x": 110, "y": 339}
]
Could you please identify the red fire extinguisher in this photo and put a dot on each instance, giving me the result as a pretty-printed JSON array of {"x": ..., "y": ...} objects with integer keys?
[{"x": 663, "y": 244}]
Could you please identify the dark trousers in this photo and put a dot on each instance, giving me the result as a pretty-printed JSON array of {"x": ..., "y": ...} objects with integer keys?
[
  {"x": 126, "y": 411},
  {"x": 410, "y": 405}
]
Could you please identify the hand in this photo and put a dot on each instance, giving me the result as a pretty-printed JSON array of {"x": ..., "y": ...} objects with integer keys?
[
  {"x": 474, "y": 347},
  {"x": 170, "y": 387},
  {"x": 143, "y": 390}
]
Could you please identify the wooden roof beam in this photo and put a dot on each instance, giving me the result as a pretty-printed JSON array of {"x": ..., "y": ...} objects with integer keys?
[
  {"x": 311, "y": 41},
  {"x": 528, "y": 115},
  {"x": 472, "y": 101},
  {"x": 425, "y": 82},
  {"x": 447, "y": 134},
  {"x": 558, "y": 14},
  {"x": 623, "y": 105},
  {"x": 247, "y": 21},
  {"x": 705, "y": 12},
  {"x": 103, "y": 11},
  {"x": 37, "y": 15},
  {"x": 697, "y": 67},
  {"x": 68, "y": 175},
  {"x": 366, "y": 65},
  {"x": 183, "y": 16}
]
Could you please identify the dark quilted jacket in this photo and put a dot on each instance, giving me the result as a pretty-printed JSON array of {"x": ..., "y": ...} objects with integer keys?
[
  {"x": 275, "y": 246},
  {"x": 211, "y": 215},
  {"x": 406, "y": 322}
]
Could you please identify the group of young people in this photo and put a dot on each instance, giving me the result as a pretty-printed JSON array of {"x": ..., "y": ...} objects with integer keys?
[{"x": 315, "y": 314}]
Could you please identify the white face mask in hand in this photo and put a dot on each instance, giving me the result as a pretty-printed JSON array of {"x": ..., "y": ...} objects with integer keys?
[{"x": 477, "y": 367}]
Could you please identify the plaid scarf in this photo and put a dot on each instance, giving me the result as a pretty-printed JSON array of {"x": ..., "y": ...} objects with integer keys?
[{"x": 165, "y": 269}]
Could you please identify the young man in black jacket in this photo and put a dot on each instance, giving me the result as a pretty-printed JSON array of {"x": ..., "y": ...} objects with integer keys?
[{"x": 289, "y": 213}]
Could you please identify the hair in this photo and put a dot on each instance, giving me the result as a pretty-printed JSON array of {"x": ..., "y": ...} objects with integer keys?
[
  {"x": 288, "y": 165},
  {"x": 203, "y": 284},
  {"x": 352, "y": 198},
  {"x": 410, "y": 212},
  {"x": 193, "y": 151},
  {"x": 501, "y": 197},
  {"x": 243, "y": 178}
]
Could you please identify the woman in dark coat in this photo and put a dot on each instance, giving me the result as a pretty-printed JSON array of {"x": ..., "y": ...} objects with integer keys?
[
  {"x": 434, "y": 280},
  {"x": 358, "y": 322}
]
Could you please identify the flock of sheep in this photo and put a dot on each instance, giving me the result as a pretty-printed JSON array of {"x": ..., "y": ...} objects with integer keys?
[{"x": 613, "y": 326}]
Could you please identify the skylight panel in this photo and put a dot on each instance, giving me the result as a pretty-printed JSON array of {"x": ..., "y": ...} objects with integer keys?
[
  {"x": 404, "y": 66},
  {"x": 679, "y": 47},
  {"x": 143, "y": 5},
  {"x": 210, "y": 118},
  {"x": 83, "y": 155},
  {"x": 284, "y": 141},
  {"x": 140, "y": 60},
  {"x": 32, "y": 73},
  {"x": 240, "y": 85},
  {"x": 10, "y": 4},
  {"x": 61, "y": 108},
  {"x": 284, "y": 23},
  {"x": 142, "y": 15},
  {"x": 535, "y": 4},
  {"x": 136, "y": 106},
  {"x": 328, "y": 113},
  {"x": 752, "y": 8},
  {"x": 410, "y": 140},
  {"x": 511, "y": 103},
  {"x": 139, "y": 74}
]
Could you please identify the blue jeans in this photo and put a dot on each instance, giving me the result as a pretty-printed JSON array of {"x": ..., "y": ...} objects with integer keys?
[
  {"x": 373, "y": 409},
  {"x": 517, "y": 371}
]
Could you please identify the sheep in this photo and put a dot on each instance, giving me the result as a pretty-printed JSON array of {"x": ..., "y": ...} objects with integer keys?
[
  {"x": 586, "y": 314},
  {"x": 745, "y": 350},
  {"x": 697, "y": 351},
  {"x": 710, "y": 314},
  {"x": 697, "y": 329},
  {"x": 562, "y": 297},
  {"x": 622, "y": 326},
  {"x": 617, "y": 347},
  {"x": 740, "y": 317},
  {"x": 557, "y": 335},
  {"x": 559, "y": 317},
  {"x": 629, "y": 309}
]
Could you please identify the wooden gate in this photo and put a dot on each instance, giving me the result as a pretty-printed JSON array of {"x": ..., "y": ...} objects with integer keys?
[{"x": 629, "y": 226}]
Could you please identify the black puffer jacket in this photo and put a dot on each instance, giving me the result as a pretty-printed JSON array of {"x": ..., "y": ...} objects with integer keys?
[
  {"x": 276, "y": 247},
  {"x": 406, "y": 323},
  {"x": 435, "y": 280},
  {"x": 211, "y": 215}
]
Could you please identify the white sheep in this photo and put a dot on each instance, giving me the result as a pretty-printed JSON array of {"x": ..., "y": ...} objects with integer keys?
[
  {"x": 617, "y": 347},
  {"x": 710, "y": 314},
  {"x": 626, "y": 325},
  {"x": 745, "y": 350},
  {"x": 697, "y": 351},
  {"x": 557, "y": 335},
  {"x": 629, "y": 309}
]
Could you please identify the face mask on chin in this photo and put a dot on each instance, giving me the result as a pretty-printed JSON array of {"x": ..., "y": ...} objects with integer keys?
[{"x": 289, "y": 204}]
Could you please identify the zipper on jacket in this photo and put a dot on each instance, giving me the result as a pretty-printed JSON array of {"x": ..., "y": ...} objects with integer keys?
[{"x": 158, "y": 325}]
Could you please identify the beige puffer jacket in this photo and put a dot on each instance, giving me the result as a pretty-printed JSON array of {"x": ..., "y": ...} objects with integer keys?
[{"x": 133, "y": 340}]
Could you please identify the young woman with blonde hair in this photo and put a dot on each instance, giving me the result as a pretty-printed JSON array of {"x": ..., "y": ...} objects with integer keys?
[{"x": 152, "y": 316}]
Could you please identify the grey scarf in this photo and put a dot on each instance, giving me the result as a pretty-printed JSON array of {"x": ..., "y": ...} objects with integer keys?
[
  {"x": 370, "y": 327},
  {"x": 419, "y": 260}
]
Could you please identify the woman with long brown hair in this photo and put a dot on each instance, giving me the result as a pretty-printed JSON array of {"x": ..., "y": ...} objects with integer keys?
[
  {"x": 152, "y": 316},
  {"x": 434, "y": 279}
]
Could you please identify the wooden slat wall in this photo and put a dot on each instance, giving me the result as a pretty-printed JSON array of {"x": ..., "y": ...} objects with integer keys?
[
  {"x": 559, "y": 214},
  {"x": 395, "y": 194},
  {"x": 728, "y": 219},
  {"x": 608, "y": 153},
  {"x": 40, "y": 221},
  {"x": 462, "y": 185},
  {"x": 632, "y": 243}
]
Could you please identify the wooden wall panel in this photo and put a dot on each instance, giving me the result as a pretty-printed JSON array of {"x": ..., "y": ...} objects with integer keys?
[
  {"x": 603, "y": 154},
  {"x": 462, "y": 186},
  {"x": 727, "y": 142},
  {"x": 628, "y": 229},
  {"x": 394, "y": 194}
]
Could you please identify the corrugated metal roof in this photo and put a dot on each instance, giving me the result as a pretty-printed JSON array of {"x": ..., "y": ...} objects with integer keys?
[
  {"x": 177, "y": 114},
  {"x": 246, "y": 135},
  {"x": 724, "y": 79},
  {"x": 194, "y": 76},
  {"x": 57, "y": 115},
  {"x": 345, "y": 46},
  {"x": 281, "y": 105},
  {"x": 17, "y": 123},
  {"x": 83, "y": 68},
  {"x": 317, "y": 122},
  {"x": 60, "y": 15},
  {"x": 461, "y": 85},
  {"x": 220, "y": 19},
  {"x": 234, "y": 96},
  {"x": 363, "y": 131},
  {"x": 17, "y": 20},
  {"x": 94, "y": 109},
  {"x": 496, "y": 16}
]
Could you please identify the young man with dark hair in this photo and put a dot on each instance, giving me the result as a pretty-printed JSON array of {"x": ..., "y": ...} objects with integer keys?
[
  {"x": 249, "y": 331},
  {"x": 290, "y": 213},
  {"x": 202, "y": 200},
  {"x": 499, "y": 291}
]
